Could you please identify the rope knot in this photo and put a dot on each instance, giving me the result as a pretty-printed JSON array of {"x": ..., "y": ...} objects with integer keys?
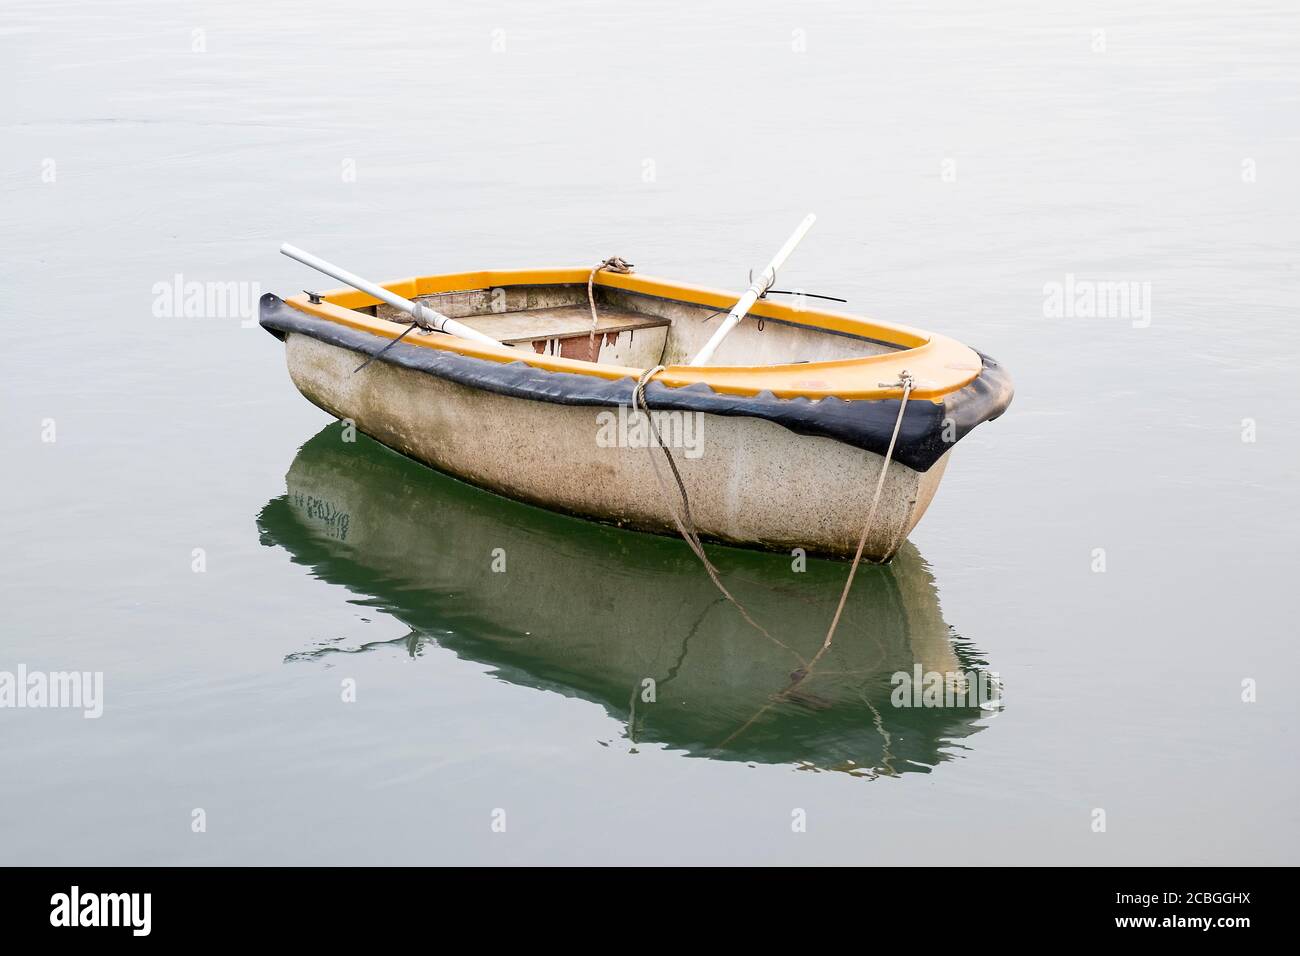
[
  {"x": 905, "y": 381},
  {"x": 616, "y": 264},
  {"x": 613, "y": 264}
]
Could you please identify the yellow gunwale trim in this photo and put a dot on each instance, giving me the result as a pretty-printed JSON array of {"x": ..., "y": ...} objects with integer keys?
[{"x": 938, "y": 364}]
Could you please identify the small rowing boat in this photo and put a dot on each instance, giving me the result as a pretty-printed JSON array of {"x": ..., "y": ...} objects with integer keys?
[{"x": 794, "y": 429}]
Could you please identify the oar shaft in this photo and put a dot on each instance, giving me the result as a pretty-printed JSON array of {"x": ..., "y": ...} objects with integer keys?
[
  {"x": 415, "y": 310},
  {"x": 760, "y": 286}
]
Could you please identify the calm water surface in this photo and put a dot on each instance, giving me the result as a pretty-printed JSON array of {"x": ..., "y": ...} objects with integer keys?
[{"x": 960, "y": 160}]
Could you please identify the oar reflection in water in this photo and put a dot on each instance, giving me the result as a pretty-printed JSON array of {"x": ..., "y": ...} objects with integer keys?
[{"x": 630, "y": 621}]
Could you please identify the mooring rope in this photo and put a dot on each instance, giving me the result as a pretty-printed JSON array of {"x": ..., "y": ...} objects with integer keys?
[
  {"x": 798, "y": 677},
  {"x": 906, "y": 381},
  {"x": 612, "y": 264},
  {"x": 684, "y": 522},
  {"x": 686, "y": 526}
]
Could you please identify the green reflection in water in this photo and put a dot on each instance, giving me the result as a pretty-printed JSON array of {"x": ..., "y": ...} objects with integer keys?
[{"x": 615, "y": 617}]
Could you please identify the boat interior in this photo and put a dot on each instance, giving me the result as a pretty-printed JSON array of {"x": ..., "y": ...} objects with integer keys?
[
  {"x": 633, "y": 329},
  {"x": 784, "y": 347}
]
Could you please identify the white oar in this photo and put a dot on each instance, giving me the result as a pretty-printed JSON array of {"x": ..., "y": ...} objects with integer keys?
[
  {"x": 760, "y": 286},
  {"x": 421, "y": 314}
]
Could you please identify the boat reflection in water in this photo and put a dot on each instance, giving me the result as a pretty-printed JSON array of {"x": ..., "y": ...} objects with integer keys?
[{"x": 631, "y": 621}]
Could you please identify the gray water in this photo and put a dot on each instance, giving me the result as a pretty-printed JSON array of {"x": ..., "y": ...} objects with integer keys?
[{"x": 961, "y": 158}]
